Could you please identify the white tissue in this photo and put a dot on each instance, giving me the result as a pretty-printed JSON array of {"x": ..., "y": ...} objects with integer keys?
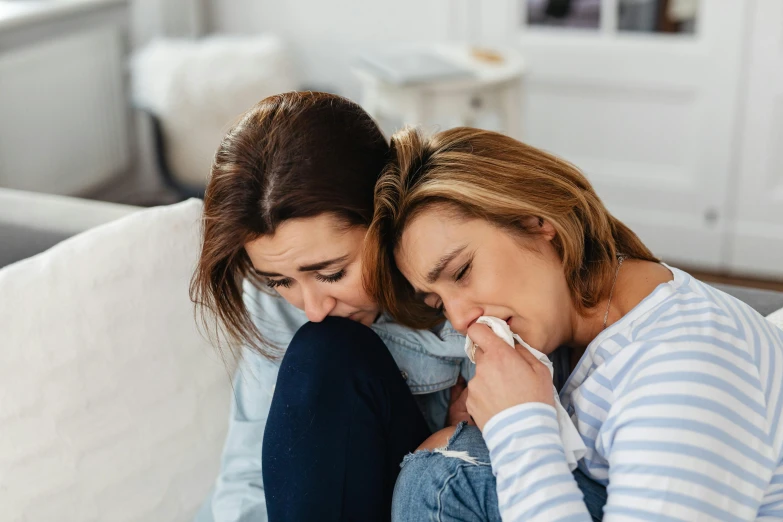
[{"x": 572, "y": 442}]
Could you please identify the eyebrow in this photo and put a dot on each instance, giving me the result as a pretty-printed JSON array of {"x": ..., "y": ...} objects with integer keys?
[
  {"x": 313, "y": 267},
  {"x": 437, "y": 270}
]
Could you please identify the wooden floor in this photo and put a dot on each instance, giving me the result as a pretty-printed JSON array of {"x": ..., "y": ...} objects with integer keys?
[{"x": 711, "y": 277}]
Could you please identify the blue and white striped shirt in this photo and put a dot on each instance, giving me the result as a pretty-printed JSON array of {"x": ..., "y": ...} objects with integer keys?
[{"x": 679, "y": 405}]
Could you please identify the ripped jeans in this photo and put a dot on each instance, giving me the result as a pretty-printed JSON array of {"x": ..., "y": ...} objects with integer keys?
[{"x": 442, "y": 486}]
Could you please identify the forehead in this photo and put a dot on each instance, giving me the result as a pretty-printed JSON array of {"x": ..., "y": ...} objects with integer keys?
[
  {"x": 427, "y": 238},
  {"x": 304, "y": 241}
]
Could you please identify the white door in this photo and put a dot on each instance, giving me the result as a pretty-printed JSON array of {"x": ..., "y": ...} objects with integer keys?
[
  {"x": 649, "y": 117},
  {"x": 757, "y": 243}
]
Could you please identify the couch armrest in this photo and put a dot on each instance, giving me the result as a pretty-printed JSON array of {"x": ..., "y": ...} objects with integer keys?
[
  {"x": 763, "y": 301},
  {"x": 31, "y": 222},
  {"x": 62, "y": 214}
]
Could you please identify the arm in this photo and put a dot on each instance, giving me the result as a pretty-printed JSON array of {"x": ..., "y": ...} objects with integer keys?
[
  {"x": 239, "y": 490},
  {"x": 686, "y": 439},
  {"x": 772, "y": 508},
  {"x": 512, "y": 401},
  {"x": 529, "y": 463}
]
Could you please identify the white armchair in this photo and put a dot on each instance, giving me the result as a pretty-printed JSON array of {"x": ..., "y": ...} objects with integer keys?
[{"x": 113, "y": 406}]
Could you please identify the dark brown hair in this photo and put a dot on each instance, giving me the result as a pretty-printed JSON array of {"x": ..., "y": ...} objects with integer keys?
[
  {"x": 480, "y": 174},
  {"x": 293, "y": 155}
]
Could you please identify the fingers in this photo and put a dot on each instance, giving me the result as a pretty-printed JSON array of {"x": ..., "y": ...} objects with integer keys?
[
  {"x": 485, "y": 338},
  {"x": 478, "y": 354},
  {"x": 463, "y": 397},
  {"x": 526, "y": 355},
  {"x": 501, "y": 357},
  {"x": 457, "y": 409},
  {"x": 531, "y": 359},
  {"x": 458, "y": 389}
]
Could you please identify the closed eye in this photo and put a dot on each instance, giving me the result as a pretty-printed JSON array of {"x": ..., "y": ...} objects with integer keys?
[
  {"x": 433, "y": 301},
  {"x": 276, "y": 283},
  {"x": 332, "y": 278},
  {"x": 462, "y": 272}
]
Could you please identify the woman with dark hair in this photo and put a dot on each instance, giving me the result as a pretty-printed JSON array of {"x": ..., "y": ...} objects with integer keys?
[{"x": 332, "y": 405}]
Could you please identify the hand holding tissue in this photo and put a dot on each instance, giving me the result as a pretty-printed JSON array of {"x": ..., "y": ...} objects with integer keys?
[{"x": 572, "y": 441}]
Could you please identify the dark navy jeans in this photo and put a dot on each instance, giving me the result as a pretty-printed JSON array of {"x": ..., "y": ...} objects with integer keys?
[{"x": 341, "y": 421}]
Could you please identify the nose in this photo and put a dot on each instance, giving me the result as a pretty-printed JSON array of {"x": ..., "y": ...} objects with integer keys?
[
  {"x": 317, "y": 306},
  {"x": 461, "y": 313}
]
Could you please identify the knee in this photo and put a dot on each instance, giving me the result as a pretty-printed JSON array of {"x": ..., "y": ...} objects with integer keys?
[
  {"x": 439, "y": 439},
  {"x": 434, "y": 485},
  {"x": 452, "y": 477},
  {"x": 420, "y": 478},
  {"x": 333, "y": 350},
  {"x": 332, "y": 343}
]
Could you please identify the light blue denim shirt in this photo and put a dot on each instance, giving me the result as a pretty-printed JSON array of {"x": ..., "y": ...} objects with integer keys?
[{"x": 429, "y": 361}]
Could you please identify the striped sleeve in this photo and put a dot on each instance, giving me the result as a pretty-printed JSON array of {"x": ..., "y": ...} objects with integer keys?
[
  {"x": 529, "y": 463},
  {"x": 772, "y": 508},
  {"x": 688, "y": 438}
]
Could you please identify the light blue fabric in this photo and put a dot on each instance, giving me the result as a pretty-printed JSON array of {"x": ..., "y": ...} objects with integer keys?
[
  {"x": 440, "y": 487},
  {"x": 431, "y": 362}
]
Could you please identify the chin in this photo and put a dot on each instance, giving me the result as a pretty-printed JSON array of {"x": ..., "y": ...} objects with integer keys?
[
  {"x": 525, "y": 337},
  {"x": 363, "y": 317}
]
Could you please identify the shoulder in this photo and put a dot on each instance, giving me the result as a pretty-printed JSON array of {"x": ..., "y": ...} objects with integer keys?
[
  {"x": 440, "y": 341},
  {"x": 699, "y": 323},
  {"x": 686, "y": 392}
]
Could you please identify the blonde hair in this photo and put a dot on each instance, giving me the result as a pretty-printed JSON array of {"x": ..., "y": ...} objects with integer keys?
[{"x": 481, "y": 174}]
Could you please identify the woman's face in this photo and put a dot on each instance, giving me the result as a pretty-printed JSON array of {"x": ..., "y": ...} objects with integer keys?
[
  {"x": 315, "y": 264},
  {"x": 472, "y": 268}
]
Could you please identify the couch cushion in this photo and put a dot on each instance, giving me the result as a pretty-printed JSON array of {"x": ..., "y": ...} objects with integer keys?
[
  {"x": 763, "y": 301},
  {"x": 777, "y": 318},
  {"x": 113, "y": 406}
]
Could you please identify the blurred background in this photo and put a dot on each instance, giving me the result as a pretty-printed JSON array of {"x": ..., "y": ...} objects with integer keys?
[{"x": 673, "y": 108}]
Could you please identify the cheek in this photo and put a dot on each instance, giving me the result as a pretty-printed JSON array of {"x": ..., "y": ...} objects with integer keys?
[
  {"x": 293, "y": 295},
  {"x": 495, "y": 286},
  {"x": 544, "y": 302},
  {"x": 351, "y": 290}
]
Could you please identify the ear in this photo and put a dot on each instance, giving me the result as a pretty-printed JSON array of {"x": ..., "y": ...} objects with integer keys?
[
  {"x": 548, "y": 232},
  {"x": 537, "y": 225}
]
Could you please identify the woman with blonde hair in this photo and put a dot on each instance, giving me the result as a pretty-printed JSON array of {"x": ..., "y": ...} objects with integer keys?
[{"x": 675, "y": 387}]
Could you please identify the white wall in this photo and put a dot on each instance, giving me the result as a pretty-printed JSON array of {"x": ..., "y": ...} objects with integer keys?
[
  {"x": 688, "y": 88},
  {"x": 151, "y": 19},
  {"x": 326, "y": 36}
]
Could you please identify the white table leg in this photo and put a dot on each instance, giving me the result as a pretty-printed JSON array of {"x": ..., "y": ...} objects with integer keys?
[{"x": 511, "y": 115}]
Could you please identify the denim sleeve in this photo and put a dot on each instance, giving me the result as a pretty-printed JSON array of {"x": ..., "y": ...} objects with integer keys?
[{"x": 239, "y": 490}]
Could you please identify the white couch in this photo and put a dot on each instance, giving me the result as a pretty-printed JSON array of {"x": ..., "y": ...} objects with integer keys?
[{"x": 112, "y": 406}]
